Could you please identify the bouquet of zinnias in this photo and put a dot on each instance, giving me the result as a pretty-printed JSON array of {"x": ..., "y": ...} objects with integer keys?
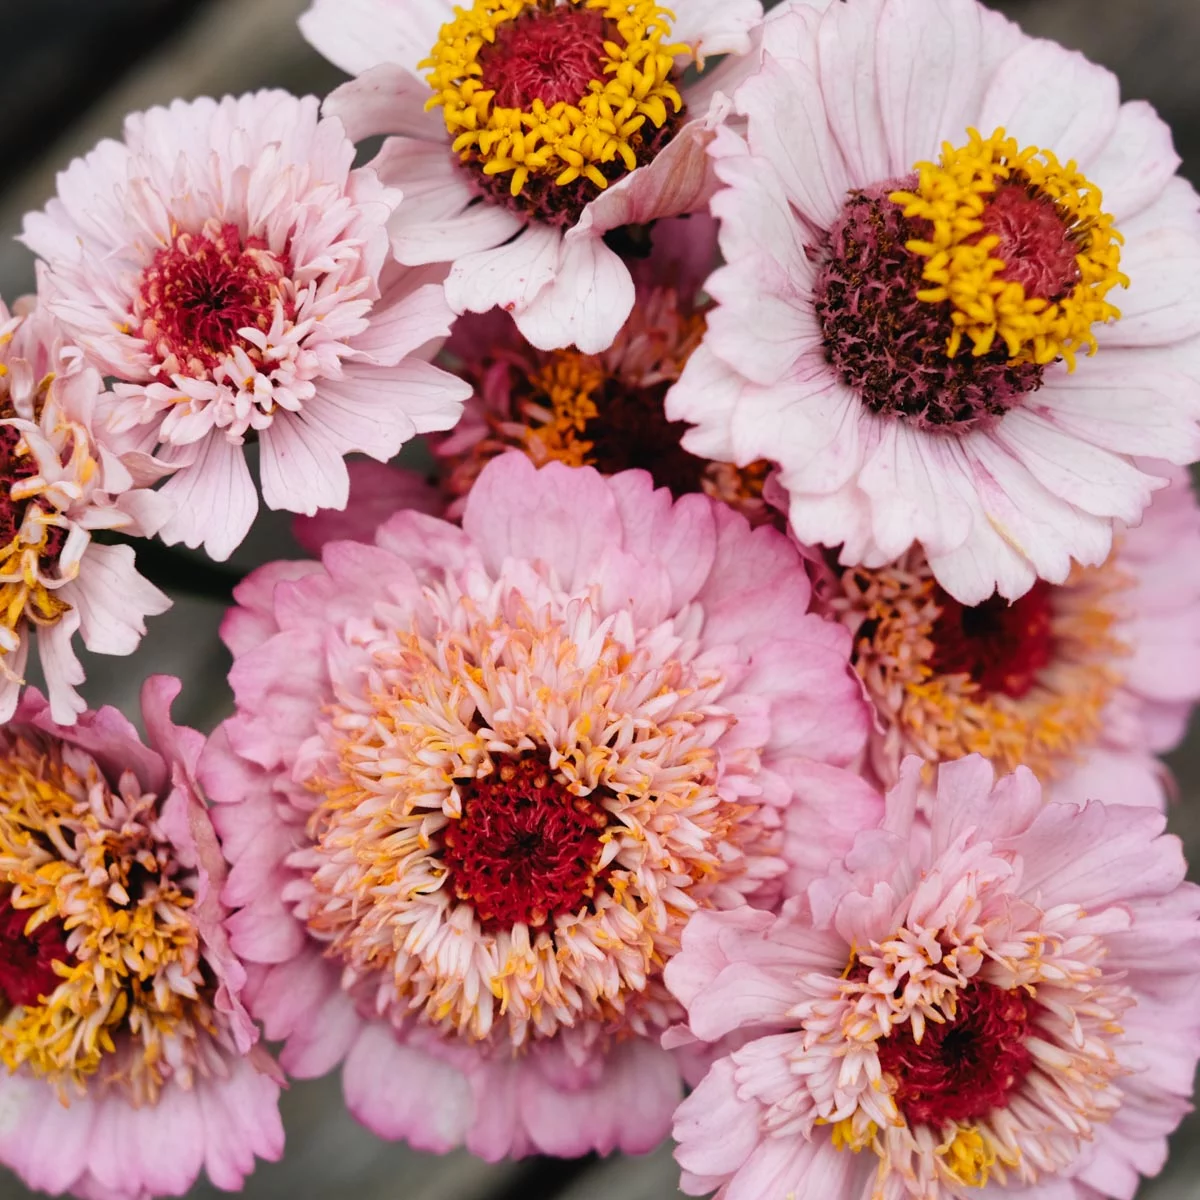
[{"x": 745, "y": 726}]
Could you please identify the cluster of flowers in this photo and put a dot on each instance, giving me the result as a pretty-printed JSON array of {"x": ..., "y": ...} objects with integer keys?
[{"x": 747, "y": 725}]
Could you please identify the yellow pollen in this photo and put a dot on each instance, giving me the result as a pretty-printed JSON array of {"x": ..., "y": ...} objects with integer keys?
[
  {"x": 952, "y": 195},
  {"x": 566, "y": 141},
  {"x": 968, "y": 1157},
  {"x": 70, "y": 850},
  {"x": 850, "y": 1133}
]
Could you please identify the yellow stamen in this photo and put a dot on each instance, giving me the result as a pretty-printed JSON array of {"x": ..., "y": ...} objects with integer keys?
[
  {"x": 952, "y": 195},
  {"x": 566, "y": 140},
  {"x": 968, "y": 1157}
]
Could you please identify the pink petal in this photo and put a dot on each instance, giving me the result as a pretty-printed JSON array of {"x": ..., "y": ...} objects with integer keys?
[
  {"x": 113, "y": 600},
  {"x": 1054, "y": 99},
  {"x": 301, "y": 461},
  {"x": 399, "y": 1091},
  {"x": 359, "y": 34},
  {"x": 585, "y": 304},
  {"x": 1136, "y": 163},
  {"x": 509, "y": 276},
  {"x": 214, "y": 499},
  {"x": 930, "y": 81},
  {"x": 385, "y": 98}
]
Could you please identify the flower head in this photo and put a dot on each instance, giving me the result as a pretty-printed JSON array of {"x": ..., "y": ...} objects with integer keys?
[
  {"x": 518, "y": 755},
  {"x": 946, "y": 312},
  {"x": 122, "y": 1025},
  {"x": 1082, "y": 682},
  {"x": 59, "y": 483},
  {"x": 227, "y": 265},
  {"x": 529, "y": 129},
  {"x": 967, "y": 1006}
]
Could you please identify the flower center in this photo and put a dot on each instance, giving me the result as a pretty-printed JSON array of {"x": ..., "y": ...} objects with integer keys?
[
  {"x": 605, "y": 411},
  {"x": 966, "y": 1066},
  {"x": 132, "y": 979},
  {"x": 525, "y": 848},
  {"x": 27, "y": 957},
  {"x": 201, "y": 291},
  {"x": 1003, "y": 647},
  {"x": 550, "y": 102},
  {"x": 1016, "y": 245},
  {"x": 1022, "y": 684},
  {"x": 550, "y": 55},
  {"x": 889, "y": 344}
]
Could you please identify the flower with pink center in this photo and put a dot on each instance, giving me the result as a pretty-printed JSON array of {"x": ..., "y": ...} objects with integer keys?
[
  {"x": 228, "y": 265},
  {"x": 931, "y": 225},
  {"x": 1084, "y": 682},
  {"x": 63, "y": 479},
  {"x": 480, "y": 777},
  {"x": 1001, "y": 1002},
  {"x": 129, "y": 1064},
  {"x": 528, "y": 131}
]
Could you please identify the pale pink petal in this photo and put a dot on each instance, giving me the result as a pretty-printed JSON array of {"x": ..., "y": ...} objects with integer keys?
[
  {"x": 113, "y": 600},
  {"x": 359, "y": 34},
  {"x": 712, "y": 27},
  {"x": 509, "y": 277},
  {"x": 930, "y": 79},
  {"x": 787, "y": 124},
  {"x": 1136, "y": 163},
  {"x": 706, "y": 394},
  {"x": 214, "y": 498},
  {"x": 585, "y": 304},
  {"x": 301, "y": 465},
  {"x": 386, "y": 98},
  {"x": 1114, "y": 778},
  {"x": 847, "y": 42},
  {"x": 1054, "y": 99}
]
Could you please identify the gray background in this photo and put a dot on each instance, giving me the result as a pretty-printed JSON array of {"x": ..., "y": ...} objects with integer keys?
[{"x": 72, "y": 68}]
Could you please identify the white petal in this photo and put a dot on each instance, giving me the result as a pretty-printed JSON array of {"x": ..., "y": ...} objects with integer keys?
[
  {"x": 113, "y": 600},
  {"x": 508, "y": 277}
]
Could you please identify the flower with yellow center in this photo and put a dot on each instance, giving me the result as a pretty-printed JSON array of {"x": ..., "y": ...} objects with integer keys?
[
  {"x": 580, "y": 89},
  {"x": 120, "y": 1017},
  {"x": 59, "y": 484}
]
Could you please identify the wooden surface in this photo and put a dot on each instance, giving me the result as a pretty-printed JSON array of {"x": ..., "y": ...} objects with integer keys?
[{"x": 235, "y": 45}]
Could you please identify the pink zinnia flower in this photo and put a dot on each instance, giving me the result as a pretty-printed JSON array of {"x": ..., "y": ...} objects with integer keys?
[
  {"x": 1084, "y": 682},
  {"x": 528, "y": 131},
  {"x": 60, "y": 485},
  {"x": 1002, "y": 1003},
  {"x": 226, "y": 263},
  {"x": 130, "y": 1063},
  {"x": 909, "y": 306},
  {"x": 479, "y": 778}
]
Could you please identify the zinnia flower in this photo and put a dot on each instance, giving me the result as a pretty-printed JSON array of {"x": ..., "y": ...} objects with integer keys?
[
  {"x": 1003, "y": 1005},
  {"x": 931, "y": 224},
  {"x": 60, "y": 485},
  {"x": 528, "y": 131},
  {"x": 479, "y": 778},
  {"x": 129, "y": 1061},
  {"x": 1083, "y": 682},
  {"x": 227, "y": 264}
]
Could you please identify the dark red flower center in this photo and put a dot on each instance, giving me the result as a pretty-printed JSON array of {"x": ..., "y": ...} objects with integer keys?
[
  {"x": 1035, "y": 244},
  {"x": 27, "y": 961},
  {"x": 200, "y": 291},
  {"x": 546, "y": 54},
  {"x": 1002, "y": 646},
  {"x": 525, "y": 848},
  {"x": 966, "y": 1067},
  {"x": 14, "y": 468},
  {"x": 891, "y": 347}
]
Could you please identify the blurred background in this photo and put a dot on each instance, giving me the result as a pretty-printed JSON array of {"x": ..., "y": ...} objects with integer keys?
[{"x": 72, "y": 69}]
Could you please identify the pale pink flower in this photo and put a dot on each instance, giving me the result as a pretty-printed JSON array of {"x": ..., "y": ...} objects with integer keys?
[
  {"x": 127, "y": 1061},
  {"x": 1084, "y": 682},
  {"x": 480, "y": 777},
  {"x": 228, "y": 265},
  {"x": 62, "y": 482},
  {"x": 908, "y": 309},
  {"x": 998, "y": 1004},
  {"x": 555, "y": 125}
]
